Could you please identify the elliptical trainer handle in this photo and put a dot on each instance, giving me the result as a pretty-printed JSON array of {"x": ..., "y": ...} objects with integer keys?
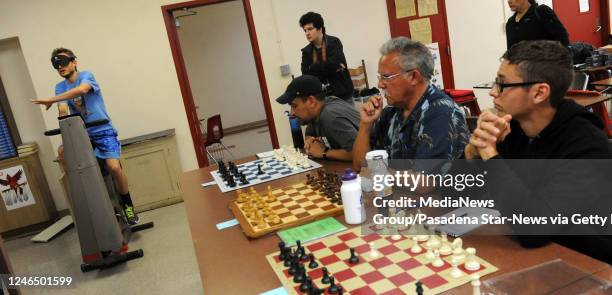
[
  {"x": 87, "y": 125},
  {"x": 52, "y": 132},
  {"x": 96, "y": 123}
]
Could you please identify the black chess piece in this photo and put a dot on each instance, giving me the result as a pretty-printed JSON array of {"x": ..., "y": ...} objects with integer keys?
[
  {"x": 289, "y": 258},
  {"x": 304, "y": 256},
  {"x": 333, "y": 288},
  {"x": 259, "y": 171},
  {"x": 294, "y": 266},
  {"x": 325, "y": 279},
  {"x": 231, "y": 182},
  {"x": 315, "y": 291},
  {"x": 306, "y": 285},
  {"x": 419, "y": 288},
  {"x": 353, "y": 259},
  {"x": 283, "y": 252},
  {"x": 299, "y": 274},
  {"x": 313, "y": 263},
  {"x": 243, "y": 179}
]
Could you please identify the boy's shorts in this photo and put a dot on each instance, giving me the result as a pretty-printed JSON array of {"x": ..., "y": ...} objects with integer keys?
[{"x": 105, "y": 144}]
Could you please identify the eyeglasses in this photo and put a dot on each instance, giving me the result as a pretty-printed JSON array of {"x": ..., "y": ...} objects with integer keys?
[
  {"x": 387, "y": 78},
  {"x": 499, "y": 86}
]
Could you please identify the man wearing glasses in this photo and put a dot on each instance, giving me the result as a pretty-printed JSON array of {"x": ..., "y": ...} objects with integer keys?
[
  {"x": 532, "y": 120},
  {"x": 421, "y": 122},
  {"x": 79, "y": 93}
]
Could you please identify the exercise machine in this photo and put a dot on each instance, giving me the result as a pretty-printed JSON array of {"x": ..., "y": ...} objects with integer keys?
[{"x": 100, "y": 222}]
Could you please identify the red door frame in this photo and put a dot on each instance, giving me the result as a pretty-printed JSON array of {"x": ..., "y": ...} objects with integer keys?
[
  {"x": 183, "y": 79},
  {"x": 445, "y": 51}
]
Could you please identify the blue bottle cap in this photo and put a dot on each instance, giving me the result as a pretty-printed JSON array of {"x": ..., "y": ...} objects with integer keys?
[{"x": 348, "y": 175}]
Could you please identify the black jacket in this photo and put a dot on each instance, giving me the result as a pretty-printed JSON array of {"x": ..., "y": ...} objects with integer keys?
[
  {"x": 546, "y": 188},
  {"x": 539, "y": 23},
  {"x": 331, "y": 71}
]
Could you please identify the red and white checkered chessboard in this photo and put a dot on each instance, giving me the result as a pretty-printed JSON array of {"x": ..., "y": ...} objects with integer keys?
[{"x": 394, "y": 271}]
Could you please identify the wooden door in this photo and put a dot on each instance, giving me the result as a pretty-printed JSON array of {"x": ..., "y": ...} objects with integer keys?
[
  {"x": 588, "y": 27},
  {"x": 439, "y": 30}
]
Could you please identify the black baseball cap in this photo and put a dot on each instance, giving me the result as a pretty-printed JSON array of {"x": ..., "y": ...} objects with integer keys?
[{"x": 301, "y": 86}]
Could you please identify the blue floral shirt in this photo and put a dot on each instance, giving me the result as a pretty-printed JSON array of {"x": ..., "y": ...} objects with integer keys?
[{"x": 435, "y": 129}]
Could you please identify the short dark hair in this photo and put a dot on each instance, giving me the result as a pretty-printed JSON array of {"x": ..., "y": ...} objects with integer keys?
[
  {"x": 545, "y": 61},
  {"x": 319, "y": 96},
  {"x": 313, "y": 18},
  {"x": 61, "y": 50}
]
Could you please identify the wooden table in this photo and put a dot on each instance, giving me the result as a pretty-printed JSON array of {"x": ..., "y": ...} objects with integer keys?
[
  {"x": 232, "y": 264},
  {"x": 588, "y": 100},
  {"x": 604, "y": 82}
]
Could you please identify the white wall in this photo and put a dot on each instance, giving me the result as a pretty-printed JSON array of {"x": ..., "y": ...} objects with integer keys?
[
  {"x": 126, "y": 46},
  {"x": 220, "y": 63},
  {"x": 477, "y": 42},
  {"x": 362, "y": 26},
  {"x": 18, "y": 86}
]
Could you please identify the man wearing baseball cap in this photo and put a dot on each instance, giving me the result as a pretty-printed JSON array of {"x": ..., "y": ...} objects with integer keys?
[{"x": 332, "y": 122}]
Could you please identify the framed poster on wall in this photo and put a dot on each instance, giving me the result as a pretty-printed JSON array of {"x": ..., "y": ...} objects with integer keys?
[{"x": 14, "y": 188}]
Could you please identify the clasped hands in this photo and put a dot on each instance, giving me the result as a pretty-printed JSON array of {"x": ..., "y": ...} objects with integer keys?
[
  {"x": 490, "y": 130},
  {"x": 314, "y": 147}
]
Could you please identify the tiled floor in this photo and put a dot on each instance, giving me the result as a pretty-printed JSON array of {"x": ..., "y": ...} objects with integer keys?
[{"x": 169, "y": 265}]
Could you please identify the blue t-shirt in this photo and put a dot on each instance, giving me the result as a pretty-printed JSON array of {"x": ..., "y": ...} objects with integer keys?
[{"x": 91, "y": 105}]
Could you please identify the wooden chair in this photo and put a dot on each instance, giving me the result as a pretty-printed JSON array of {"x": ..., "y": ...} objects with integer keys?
[
  {"x": 215, "y": 149},
  {"x": 359, "y": 76}
]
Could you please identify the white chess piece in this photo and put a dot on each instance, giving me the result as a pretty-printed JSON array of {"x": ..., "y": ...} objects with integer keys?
[
  {"x": 475, "y": 284},
  {"x": 396, "y": 236},
  {"x": 457, "y": 243},
  {"x": 438, "y": 262},
  {"x": 415, "y": 248},
  {"x": 373, "y": 252},
  {"x": 455, "y": 271},
  {"x": 430, "y": 254},
  {"x": 445, "y": 249},
  {"x": 433, "y": 242},
  {"x": 470, "y": 262}
]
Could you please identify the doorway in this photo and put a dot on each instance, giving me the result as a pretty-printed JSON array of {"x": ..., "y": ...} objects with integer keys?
[{"x": 219, "y": 69}]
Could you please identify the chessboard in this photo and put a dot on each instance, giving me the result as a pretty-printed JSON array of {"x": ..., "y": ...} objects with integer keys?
[
  {"x": 258, "y": 171},
  {"x": 387, "y": 264},
  {"x": 282, "y": 208}
]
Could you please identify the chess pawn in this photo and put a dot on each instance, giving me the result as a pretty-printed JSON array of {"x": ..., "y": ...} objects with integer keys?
[
  {"x": 373, "y": 252},
  {"x": 430, "y": 254},
  {"x": 415, "y": 248},
  {"x": 470, "y": 262},
  {"x": 455, "y": 271},
  {"x": 438, "y": 262}
]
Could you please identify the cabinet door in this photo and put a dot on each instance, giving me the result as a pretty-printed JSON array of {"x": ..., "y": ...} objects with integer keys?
[{"x": 151, "y": 172}]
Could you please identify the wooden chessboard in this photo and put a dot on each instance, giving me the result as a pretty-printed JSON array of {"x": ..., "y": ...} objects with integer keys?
[
  {"x": 394, "y": 271},
  {"x": 295, "y": 205}
]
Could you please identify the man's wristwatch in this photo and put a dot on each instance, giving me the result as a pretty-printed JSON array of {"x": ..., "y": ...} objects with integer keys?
[{"x": 325, "y": 153}]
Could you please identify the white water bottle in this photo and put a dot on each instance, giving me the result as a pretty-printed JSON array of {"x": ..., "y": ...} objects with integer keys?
[{"x": 352, "y": 200}]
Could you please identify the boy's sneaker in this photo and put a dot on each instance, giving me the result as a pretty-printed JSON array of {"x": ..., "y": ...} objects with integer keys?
[{"x": 130, "y": 215}]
